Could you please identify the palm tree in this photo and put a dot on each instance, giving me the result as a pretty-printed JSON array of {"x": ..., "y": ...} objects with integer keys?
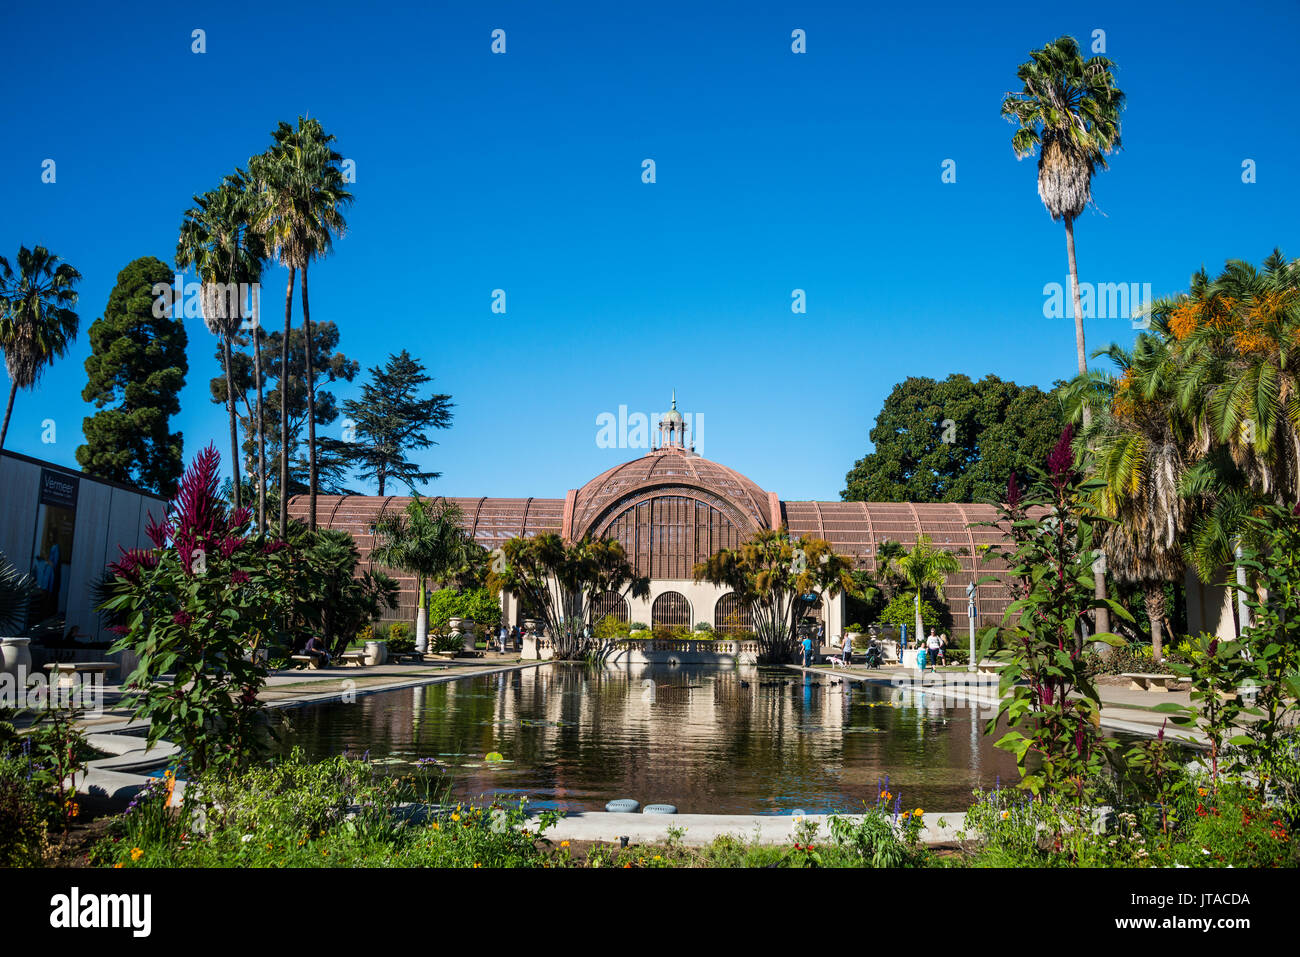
[
  {"x": 37, "y": 321},
  {"x": 16, "y": 591},
  {"x": 216, "y": 240},
  {"x": 923, "y": 566},
  {"x": 1068, "y": 109},
  {"x": 426, "y": 539},
  {"x": 300, "y": 213},
  {"x": 1139, "y": 446}
]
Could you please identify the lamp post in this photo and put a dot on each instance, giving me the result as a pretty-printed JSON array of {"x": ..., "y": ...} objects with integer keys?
[{"x": 970, "y": 618}]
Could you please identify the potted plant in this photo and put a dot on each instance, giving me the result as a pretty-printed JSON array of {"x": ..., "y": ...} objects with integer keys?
[{"x": 16, "y": 590}]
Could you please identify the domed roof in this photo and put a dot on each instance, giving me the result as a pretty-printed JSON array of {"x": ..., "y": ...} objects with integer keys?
[{"x": 670, "y": 470}]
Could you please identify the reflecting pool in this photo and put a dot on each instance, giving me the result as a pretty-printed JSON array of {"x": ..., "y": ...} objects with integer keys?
[{"x": 706, "y": 739}]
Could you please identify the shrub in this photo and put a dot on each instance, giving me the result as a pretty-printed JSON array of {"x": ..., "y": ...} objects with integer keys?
[
  {"x": 638, "y": 626},
  {"x": 703, "y": 626},
  {"x": 901, "y": 610},
  {"x": 24, "y": 841}
]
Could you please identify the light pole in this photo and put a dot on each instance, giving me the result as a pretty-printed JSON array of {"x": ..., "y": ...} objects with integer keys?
[{"x": 970, "y": 618}]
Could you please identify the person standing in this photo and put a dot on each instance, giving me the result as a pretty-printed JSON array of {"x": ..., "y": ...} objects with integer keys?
[
  {"x": 807, "y": 649},
  {"x": 932, "y": 649},
  {"x": 848, "y": 649}
]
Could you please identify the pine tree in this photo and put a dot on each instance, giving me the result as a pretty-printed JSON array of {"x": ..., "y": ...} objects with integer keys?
[
  {"x": 137, "y": 361},
  {"x": 390, "y": 420}
]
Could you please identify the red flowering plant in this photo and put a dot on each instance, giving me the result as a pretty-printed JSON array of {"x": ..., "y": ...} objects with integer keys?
[
  {"x": 1051, "y": 709},
  {"x": 195, "y": 610}
]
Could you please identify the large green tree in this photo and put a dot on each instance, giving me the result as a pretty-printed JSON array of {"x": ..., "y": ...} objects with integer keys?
[
  {"x": 953, "y": 440},
  {"x": 137, "y": 365},
  {"x": 390, "y": 420},
  {"x": 37, "y": 318},
  {"x": 331, "y": 366}
]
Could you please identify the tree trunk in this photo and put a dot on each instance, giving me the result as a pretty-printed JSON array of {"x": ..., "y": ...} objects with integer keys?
[
  {"x": 284, "y": 409},
  {"x": 1101, "y": 616},
  {"x": 9, "y": 409},
  {"x": 1155, "y": 601},
  {"x": 421, "y": 620},
  {"x": 261, "y": 426},
  {"x": 920, "y": 625},
  {"x": 311, "y": 410},
  {"x": 234, "y": 423}
]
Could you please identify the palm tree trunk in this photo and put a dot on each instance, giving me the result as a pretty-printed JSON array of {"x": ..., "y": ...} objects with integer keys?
[
  {"x": 261, "y": 427},
  {"x": 421, "y": 620},
  {"x": 1155, "y": 602},
  {"x": 920, "y": 625},
  {"x": 284, "y": 409},
  {"x": 9, "y": 410},
  {"x": 311, "y": 411},
  {"x": 1101, "y": 616},
  {"x": 234, "y": 422}
]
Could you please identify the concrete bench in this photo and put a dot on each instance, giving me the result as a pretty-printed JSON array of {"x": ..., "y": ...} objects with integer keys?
[
  {"x": 312, "y": 662},
  {"x": 1144, "y": 682},
  {"x": 353, "y": 658},
  {"x": 990, "y": 667},
  {"x": 66, "y": 672}
]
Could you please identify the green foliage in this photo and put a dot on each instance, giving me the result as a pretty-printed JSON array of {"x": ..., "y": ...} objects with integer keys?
[
  {"x": 1048, "y": 701},
  {"x": 390, "y": 420},
  {"x": 772, "y": 573},
  {"x": 137, "y": 365},
  {"x": 326, "y": 594},
  {"x": 399, "y": 638},
  {"x": 333, "y": 813},
  {"x": 901, "y": 610},
  {"x": 16, "y": 590},
  {"x": 24, "y": 840},
  {"x": 477, "y": 604},
  {"x": 37, "y": 321},
  {"x": 564, "y": 582},
  {"x": 997, "y": 427},
  {"x": 199, "y": 606}
]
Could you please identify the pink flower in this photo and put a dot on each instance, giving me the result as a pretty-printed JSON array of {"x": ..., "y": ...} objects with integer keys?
[
  {"x": 238, "y": 577},
  {"x": 182, "y": 618}
]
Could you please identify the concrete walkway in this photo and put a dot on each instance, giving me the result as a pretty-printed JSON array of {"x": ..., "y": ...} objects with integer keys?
[{"x": 701, "y": 829}]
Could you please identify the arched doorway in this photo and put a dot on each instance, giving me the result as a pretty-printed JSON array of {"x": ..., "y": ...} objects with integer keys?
[
  {"x": 731, "y": 615},
  {"x": 670, "y": 610},
  {"x": 609, "y": 605}
]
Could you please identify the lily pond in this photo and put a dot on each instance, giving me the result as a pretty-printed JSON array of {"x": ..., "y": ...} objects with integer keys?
[{"x": 704, "y": 739}]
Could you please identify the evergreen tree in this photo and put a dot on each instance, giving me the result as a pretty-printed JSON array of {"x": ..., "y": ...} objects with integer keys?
[
  {"x": 390, "y": 420},
  {"x": 954, "y": 440},
  {"x": 330, "y": 365},
  {"x": 137, "y": 361}
]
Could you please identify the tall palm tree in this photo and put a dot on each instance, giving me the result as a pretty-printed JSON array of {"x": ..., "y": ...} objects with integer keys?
[
  {"x": 920, "y": 567},
  {"x": 37, "y": 320},
  {"x": 302, "y": 199},
  {"x": 1068, "y": 110},
  {"x": 216, "y": 239},
  {"x": 425, "y": 539}
]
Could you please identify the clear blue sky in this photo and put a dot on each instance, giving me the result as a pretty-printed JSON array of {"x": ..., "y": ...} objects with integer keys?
[{"x": 775, "y": 171}]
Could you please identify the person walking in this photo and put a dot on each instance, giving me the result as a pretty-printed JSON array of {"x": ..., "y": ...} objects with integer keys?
[
  {"x": 848, "y": 649},
  {"x": 807, "y": 650},
  {"x": 933, "y": 649},
  {"x": 943, "y": 649}
]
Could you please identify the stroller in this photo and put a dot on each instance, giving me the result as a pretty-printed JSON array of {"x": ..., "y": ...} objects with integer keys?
[{"x": 874, "y": 656}]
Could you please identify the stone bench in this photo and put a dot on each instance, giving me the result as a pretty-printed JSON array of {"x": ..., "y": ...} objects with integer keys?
[
  {"x": 353, "y": 658},
  {"x": 312, "y": 662},
  {"x": 1145, "y": 682},
  {"x": 66, "y": 672}
]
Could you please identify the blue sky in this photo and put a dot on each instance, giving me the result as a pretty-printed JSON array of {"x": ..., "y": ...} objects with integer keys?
[{"x": 775, "y": 171}]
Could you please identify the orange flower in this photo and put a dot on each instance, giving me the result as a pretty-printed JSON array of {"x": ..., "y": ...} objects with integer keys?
[{"x": 136, "y": 853}]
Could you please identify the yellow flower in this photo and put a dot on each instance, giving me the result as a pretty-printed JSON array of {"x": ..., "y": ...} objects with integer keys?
[
  {"x": 917, "y": 813},
  {"x": 136, "y": 853},
  {"x": 116, "y": 866},
  {"x": 455, "y": 817},
  {"x": 269, "y": 847},
  {"x": 476, "y": 864},
  {"x": 1202, "y": 792},
  {"x": 658, "y": 858},
  {"x": 435, "y": 825},
  {"x": 564, "y": 844},
  {"x": 1005, "y": 815}
]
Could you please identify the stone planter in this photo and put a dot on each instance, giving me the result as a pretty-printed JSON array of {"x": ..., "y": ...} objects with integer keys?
[
  {"x": 376, "y": 652},
  {"x": 15, "y": 653}
]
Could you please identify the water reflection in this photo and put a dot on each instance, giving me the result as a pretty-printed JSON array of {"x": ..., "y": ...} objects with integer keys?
[{"x": 707, "y": 740}]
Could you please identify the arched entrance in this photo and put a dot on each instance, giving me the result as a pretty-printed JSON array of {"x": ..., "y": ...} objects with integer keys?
[{"x": 670, "y": 610}]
